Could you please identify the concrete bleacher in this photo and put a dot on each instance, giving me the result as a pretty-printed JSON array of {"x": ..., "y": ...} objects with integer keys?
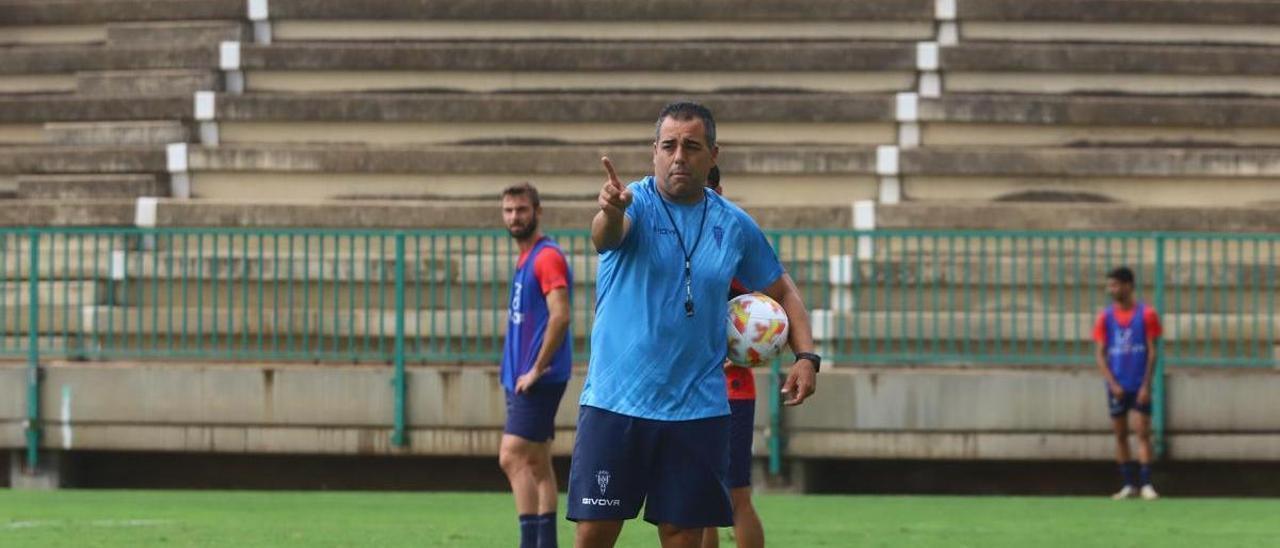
[
  {"x": 1039, "y": 67},
  {"x": 1134, "y": 21},
  {"x": 671, "y": 67},
  {"x": 1099, "y": 121}
]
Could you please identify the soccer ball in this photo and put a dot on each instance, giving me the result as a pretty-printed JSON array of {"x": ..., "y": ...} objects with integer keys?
[{"x": 757, "y": 327}]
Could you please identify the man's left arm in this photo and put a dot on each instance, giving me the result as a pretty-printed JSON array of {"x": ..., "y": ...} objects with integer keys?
[
  {"x": 802, "y": 380},
  {"x": 1154, "y": 331},
  {"x": 557, "y": 325}
]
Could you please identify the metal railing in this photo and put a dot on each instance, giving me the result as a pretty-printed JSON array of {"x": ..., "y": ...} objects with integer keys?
[
  {"x": 878, "y": 297},
  {"x": 397, "y": 297}
]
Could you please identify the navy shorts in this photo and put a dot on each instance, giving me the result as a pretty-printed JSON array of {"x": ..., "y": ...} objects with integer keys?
[
  {"x": 1120, "y": 407},
  {"x": 742, "y": 420},
  {"x": 532, "y": 415},
  {"x": 675, "y": 469}
]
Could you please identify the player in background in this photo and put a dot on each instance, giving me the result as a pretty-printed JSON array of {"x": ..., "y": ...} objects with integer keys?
[
  {"x": 536, "y": 361},
  {"x": 1125, "y": 337},
  {"x": 741, "y": 385}
]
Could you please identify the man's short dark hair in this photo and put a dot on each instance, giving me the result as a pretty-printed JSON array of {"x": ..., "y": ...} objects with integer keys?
[
  {"x": 1121, "y": 274},
  {"x": 713, "y": 178},
  {"x": 687, "y": 110},
  {"x": 524, "y": 188}
]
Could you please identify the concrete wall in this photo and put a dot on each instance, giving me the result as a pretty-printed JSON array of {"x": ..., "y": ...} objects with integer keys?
[{"x": 899, "y": 413}]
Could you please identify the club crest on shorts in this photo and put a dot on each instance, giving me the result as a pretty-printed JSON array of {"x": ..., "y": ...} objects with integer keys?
[{"x": 602, "y": 479}]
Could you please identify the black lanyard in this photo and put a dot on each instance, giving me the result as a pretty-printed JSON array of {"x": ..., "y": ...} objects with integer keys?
[{"x": 688, "y": 254}]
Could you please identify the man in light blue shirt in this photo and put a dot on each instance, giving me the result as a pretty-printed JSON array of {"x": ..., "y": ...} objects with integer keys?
[{"x": 653, "y": 429}]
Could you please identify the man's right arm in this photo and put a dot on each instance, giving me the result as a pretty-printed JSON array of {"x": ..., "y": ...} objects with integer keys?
[
  {"x": 608, "y": 229},
  {"x": 1100, "y": 358},
  {"x": 610, "y": 225}
]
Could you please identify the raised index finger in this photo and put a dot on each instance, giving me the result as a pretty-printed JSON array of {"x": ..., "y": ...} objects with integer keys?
[{"x": 613, "y": 175}]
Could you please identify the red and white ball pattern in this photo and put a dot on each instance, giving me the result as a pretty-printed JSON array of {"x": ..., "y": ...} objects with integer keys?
[{"x": 757, "y": 327}]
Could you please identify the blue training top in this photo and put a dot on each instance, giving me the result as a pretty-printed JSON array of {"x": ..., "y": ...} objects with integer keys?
[
  {"x": 527, "y": 324},
  {"x": 1127, "y": 348},
  {"x": 648, "y": 359}
]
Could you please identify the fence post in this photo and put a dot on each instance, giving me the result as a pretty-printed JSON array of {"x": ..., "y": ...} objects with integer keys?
[
  {"x": 775, "y": 404},
  {"x": 775, "y": 418},
  {"x": 1159, "y": 407},
  {"x": 33, "y": 353},
  {"x": 399, "y": 438}
]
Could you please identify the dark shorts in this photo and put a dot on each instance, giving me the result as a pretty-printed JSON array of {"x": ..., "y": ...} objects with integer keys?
[
  {"x": 1129, "y": 401},
  {"x": 675, "y": 469},
  {"x": 741, "y": 430},
  {"x": 532, "y": 415}
]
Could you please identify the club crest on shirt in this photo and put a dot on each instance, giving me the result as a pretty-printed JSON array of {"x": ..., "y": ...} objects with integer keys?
[{"x": 718, "y": 232}]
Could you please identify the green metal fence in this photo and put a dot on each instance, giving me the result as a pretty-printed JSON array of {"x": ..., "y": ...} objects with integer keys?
[
  {"x": 397, "y": 297},
  {"x": 439, "y": 296}
]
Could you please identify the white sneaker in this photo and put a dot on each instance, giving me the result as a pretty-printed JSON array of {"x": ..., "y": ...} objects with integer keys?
[
  {"x": 1149, "y": 493},
  {"x": 1127, "y": 492}
]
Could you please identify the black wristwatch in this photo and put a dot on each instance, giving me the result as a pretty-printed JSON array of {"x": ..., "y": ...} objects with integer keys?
[{"x": 816, "y": 359}]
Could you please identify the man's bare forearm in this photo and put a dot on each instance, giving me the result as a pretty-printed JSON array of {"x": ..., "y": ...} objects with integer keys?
[
  {"x": 788, "y": 295},
  {"x": 1151, "y": 365},
  {"x": 558, "y": 319},
  {"x": 608, "y": 229},
  {"x": 1100, "y": 359}
]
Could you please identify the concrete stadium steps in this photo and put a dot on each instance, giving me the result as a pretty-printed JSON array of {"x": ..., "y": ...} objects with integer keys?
[
  {"x": 454, "y": 118},
  {"x": 954, "y": 119},
  {"x": 91, "y": 186},
  {"x": 37, "y": 109},
  {"x": 33, "y": 35},
  {"x": 952, "y": 299},
  {"x": 838, "y": 66},
  {"x": 79, "y": 308},
  {"x": 52, "y": 294},
  {"x": 142, "y": 132},
  {"x": 68, "y": 12},
  {"x": 424, "y": 215},
  {"x": 26, "y": 213},
  {"x": 606, "y": 10},
  {"x": 1145, "y": 175},
  {"x": 96, "y": 70},
  {"x": 25, "y": 160},
  {"x": 994, "y": 67},
  {"x": 973, "y": 215},
  {"x": 68, "y": 59},
  {"x": 726, "y": 28},
  {"x": 1157, "y": 177},
  {"x": 167, "y": 33},
  {"x": 1009, "y": 328},
  {"x": 1168, "y": 21},
  {"x": 603, "y": 19},
  {"x": 68, "y": 119},
  {"x": 372, "y": 323},
  {"x": 27, "y": 22},
  {"x": 813, "y": 174},
  {"x": 146, "y": 82},
  {"x": 1098, "y": 121},
  {"x": 311, "y": 173},
  {"x": 1086, "y": 298}
]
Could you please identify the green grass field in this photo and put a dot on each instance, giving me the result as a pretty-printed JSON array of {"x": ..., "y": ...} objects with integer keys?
[{"x": 242, "y": 519}]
